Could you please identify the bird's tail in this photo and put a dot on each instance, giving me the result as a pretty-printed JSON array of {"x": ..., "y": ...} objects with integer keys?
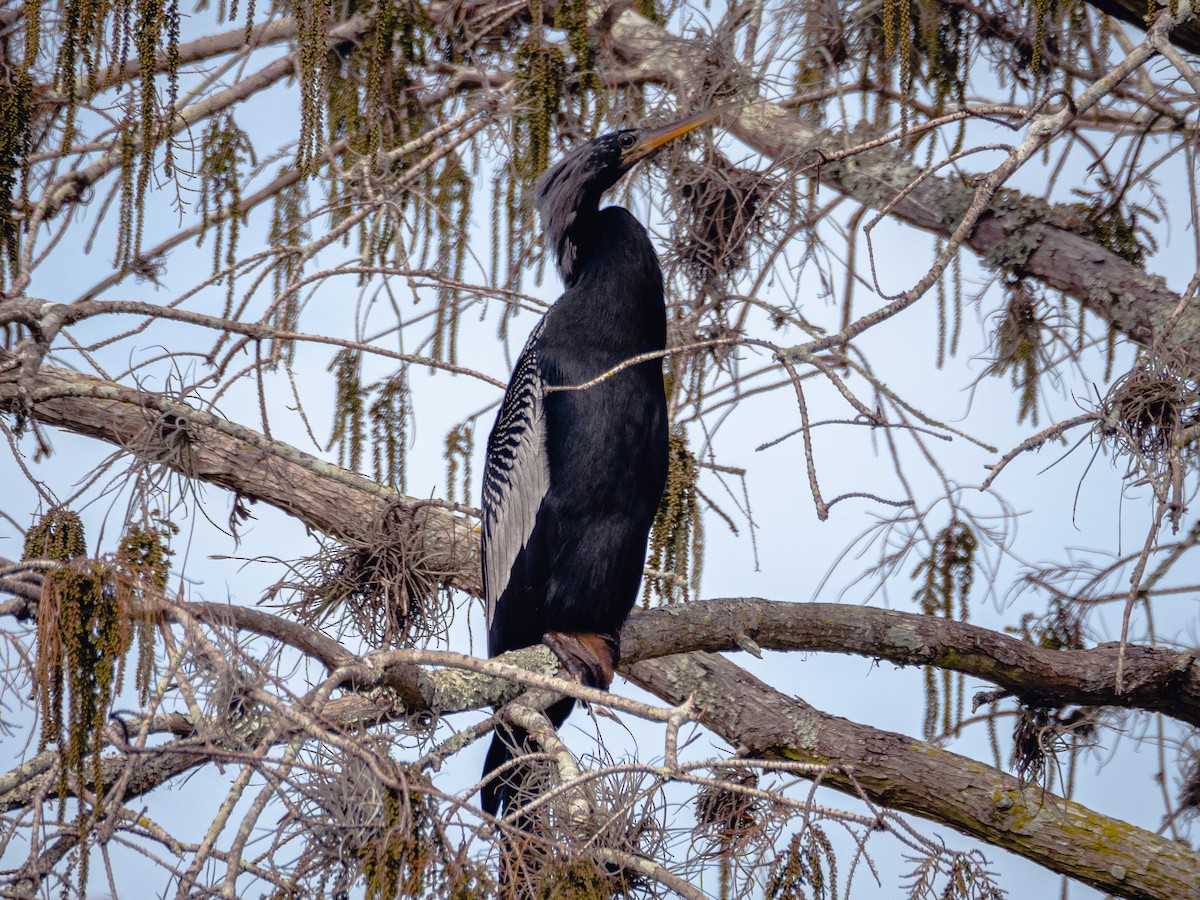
[{"x": 499, "y": 792}]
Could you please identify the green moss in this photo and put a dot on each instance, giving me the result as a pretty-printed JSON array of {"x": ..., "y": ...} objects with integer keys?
[
  {"x": 394, "y": 863},
  {"x": 288, "y": 233},
  {"x": 407, "y": 853},
  {"x": 677, "y": 535},
  {"x": 806, "y": 869},
  {"x": 226, "y": 151},
  {"x": 460, "y": 447},
  {"x": 1020, "y": 347},
  {"x": 85, "y": 628},
  {"x": 142, "y": 568},
  {"x": 311, "y": 23},
  {"x": 16, "y": 113},
  {"x": 349, "y": 409},
  {"x": 944, "y": 578},
  {"x": 59, "y": 535},
  {"x": 1107, "y": 218},
  {"x": 390, "y": 414}
]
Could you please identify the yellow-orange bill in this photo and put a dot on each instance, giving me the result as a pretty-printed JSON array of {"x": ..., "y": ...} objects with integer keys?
[{"x": 652, "y": 140}]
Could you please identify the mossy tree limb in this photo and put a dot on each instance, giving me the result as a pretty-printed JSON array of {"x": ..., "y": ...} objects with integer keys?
[
  {"x": 904, "y": 774},
  {"x": 1137, "y": 303},
  {"x": 891, "y": 769}
]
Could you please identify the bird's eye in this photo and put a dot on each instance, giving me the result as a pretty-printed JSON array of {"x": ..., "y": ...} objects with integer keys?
[{"x": 627, "y": 140}]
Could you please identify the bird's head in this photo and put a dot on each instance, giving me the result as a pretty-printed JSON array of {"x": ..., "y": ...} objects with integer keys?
[{"x": 572, "y": 187}]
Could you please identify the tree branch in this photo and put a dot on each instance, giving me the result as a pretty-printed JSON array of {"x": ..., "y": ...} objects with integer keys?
[
  {"x": 912, "y": 776},
  {"x": 1157, "y": 679},
  {"x": 1185, "y": 36},
  {"x": 1023, "y": 234},
  {"x": 198, "y": 444},
  {"x": 890, "y": 769}
]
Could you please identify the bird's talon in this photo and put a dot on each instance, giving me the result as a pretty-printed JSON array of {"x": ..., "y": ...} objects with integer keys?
[{"x": 590, "y": 658}]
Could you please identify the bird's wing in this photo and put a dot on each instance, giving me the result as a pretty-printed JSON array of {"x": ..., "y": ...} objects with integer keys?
[{"x": 516, "y": 474}]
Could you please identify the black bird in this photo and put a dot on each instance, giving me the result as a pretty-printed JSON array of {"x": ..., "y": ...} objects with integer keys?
[{"x": 573, "y": 478}]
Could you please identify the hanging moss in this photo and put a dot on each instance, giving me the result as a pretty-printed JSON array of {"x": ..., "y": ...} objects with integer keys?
[
  {"x": 349, "y": 419},
  {"x": 807, "y": 869},
  {"x": 311, "y": 22},
  {"x": 127, "y": 221},
  {"x": 86, "y": 619},
  {"x": 372, "y": 104},
  {"x": 1060, "y": 627},
  {"x": 386, "y": 20},
  {"x": 59, "y": 535},
  {"x": 935, "y": 40},
  {"x": 225, "y": 152},
  {"x": 452, "y": 195},
  {"x": 390, "y": 413},
  {"x": 407, "y": 854},
  {"x": 394, "y": 863},
  {"x": 16, "y": 114},
  {"x": 143, "y": 564},
  {"x": 79, "y": 23},
  {"x": 944, "y": 585},
  {"x": 92, "y": 30},
  {"x": 571, "y": 17},
  {"x": 548, "y": 89},
  {"x": 1041, "y": 12},
  {"x": 1107, "y": 217},
  {"x": 677, "y": 535},
  {"x": 574, "y": 879},
  {"x": 84, "y": 632},
  {"x": 1020, "y": 347},
  {"x": 541, "y": 73},
  {"x": 370, "y": 96},
  {"x": 288, "y": 233},
  {"x": 460, "y": 446},
  {"x": 148, "y": 25},
  {"x": 374, "y": 829}
]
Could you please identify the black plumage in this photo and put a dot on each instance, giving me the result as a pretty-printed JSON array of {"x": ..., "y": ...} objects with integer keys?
[{"x": 573, "y": 478}]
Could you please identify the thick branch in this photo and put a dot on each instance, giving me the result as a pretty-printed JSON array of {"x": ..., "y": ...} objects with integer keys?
[
  {"x": 198, "y": 444},
  {"x": 1020, "y": 233},
  {"x": 1186, "y": 36},
  {"x": 439, "y": 691},
  {"x": 890, "y": 769},
  {"x": 1156, "y": 678},
  {"x": 904, "y": 774}
]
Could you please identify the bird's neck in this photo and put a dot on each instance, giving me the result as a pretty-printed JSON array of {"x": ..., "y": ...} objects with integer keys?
[
  {"x": 616, "y": 286},
  {"x": 568, "y": 228}
]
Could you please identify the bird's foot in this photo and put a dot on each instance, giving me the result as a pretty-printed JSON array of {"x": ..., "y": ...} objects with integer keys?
[{"x": 591, "y": 658}]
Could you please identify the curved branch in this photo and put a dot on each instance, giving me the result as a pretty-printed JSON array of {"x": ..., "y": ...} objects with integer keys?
[
  {"x": 158, "y": 430},
  {"x": 1186, "y": 35},
  {"x": 1025, "y": 234},
  {"x": 912, "y": 776},
  {"x": 1156, "y": 679}
]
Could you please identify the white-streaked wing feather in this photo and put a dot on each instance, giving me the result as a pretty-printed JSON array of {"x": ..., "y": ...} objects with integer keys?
[{"x": 516, "y": 474}]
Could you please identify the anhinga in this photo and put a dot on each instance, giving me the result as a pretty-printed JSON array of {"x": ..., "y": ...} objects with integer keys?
[{"x": 573, "y": 478}]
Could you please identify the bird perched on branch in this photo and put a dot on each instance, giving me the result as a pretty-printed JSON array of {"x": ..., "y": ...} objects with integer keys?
[{"x": 576, "y": 463}]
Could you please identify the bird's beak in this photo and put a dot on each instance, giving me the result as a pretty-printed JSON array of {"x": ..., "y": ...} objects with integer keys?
[{"x": 652, "y": 140}]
